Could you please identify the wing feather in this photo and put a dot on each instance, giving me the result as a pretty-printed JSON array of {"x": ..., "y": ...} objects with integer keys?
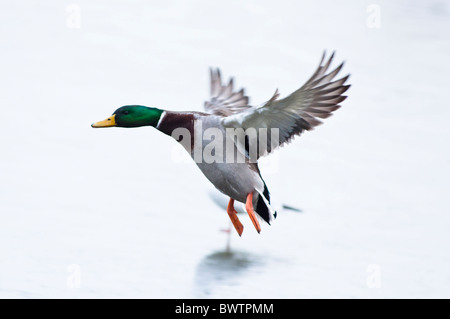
[
  {"x": 300, "y": 111},
  {"x": 224, "y": 101}
]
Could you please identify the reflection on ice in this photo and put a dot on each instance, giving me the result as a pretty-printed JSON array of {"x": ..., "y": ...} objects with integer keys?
[{"x": 221, "y": 269}]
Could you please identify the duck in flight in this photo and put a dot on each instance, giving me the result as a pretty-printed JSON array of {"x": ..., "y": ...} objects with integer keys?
[{"x": 229, "y": 111}]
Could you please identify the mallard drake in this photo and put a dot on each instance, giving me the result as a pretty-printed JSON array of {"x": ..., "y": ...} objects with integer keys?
[{"x": 241, "y": 133}]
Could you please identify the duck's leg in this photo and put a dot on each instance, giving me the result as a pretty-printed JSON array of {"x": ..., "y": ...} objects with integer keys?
[
  {"x": 251, "y": 212},
  {"x": 233, "y": 216}
]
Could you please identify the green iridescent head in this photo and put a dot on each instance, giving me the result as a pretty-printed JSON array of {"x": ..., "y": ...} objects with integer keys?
[{"x": 132, "y": 116}]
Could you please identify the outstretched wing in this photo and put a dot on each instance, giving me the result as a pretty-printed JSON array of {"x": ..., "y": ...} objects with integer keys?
[
  {"x": 224, "y": 101},
  {"x": 300, "y": 111}
]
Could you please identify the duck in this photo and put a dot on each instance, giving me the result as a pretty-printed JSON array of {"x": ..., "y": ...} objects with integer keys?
[{"x": 228, "y": 138}]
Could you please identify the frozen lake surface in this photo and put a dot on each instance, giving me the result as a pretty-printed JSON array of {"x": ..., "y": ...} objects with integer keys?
[{"x": 114, "y": 213}]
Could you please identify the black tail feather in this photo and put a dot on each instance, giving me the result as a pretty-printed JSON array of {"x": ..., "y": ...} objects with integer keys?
[{"x": 261, "y": 207}]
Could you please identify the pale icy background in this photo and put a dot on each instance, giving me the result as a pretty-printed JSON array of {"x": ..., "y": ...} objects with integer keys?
[{"x": 110, "y": 213}]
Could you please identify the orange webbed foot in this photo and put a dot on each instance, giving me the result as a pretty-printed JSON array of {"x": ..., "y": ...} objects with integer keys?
[
  {"x": 251, "y": 212},
  {"x": 233, "y": 216}
]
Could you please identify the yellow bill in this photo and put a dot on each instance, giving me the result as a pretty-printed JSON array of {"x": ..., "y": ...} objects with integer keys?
[{"x": 110, "y": 121}]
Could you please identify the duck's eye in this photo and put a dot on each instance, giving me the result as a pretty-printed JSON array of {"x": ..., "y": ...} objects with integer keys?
[{"x": 125, "y": 112}]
